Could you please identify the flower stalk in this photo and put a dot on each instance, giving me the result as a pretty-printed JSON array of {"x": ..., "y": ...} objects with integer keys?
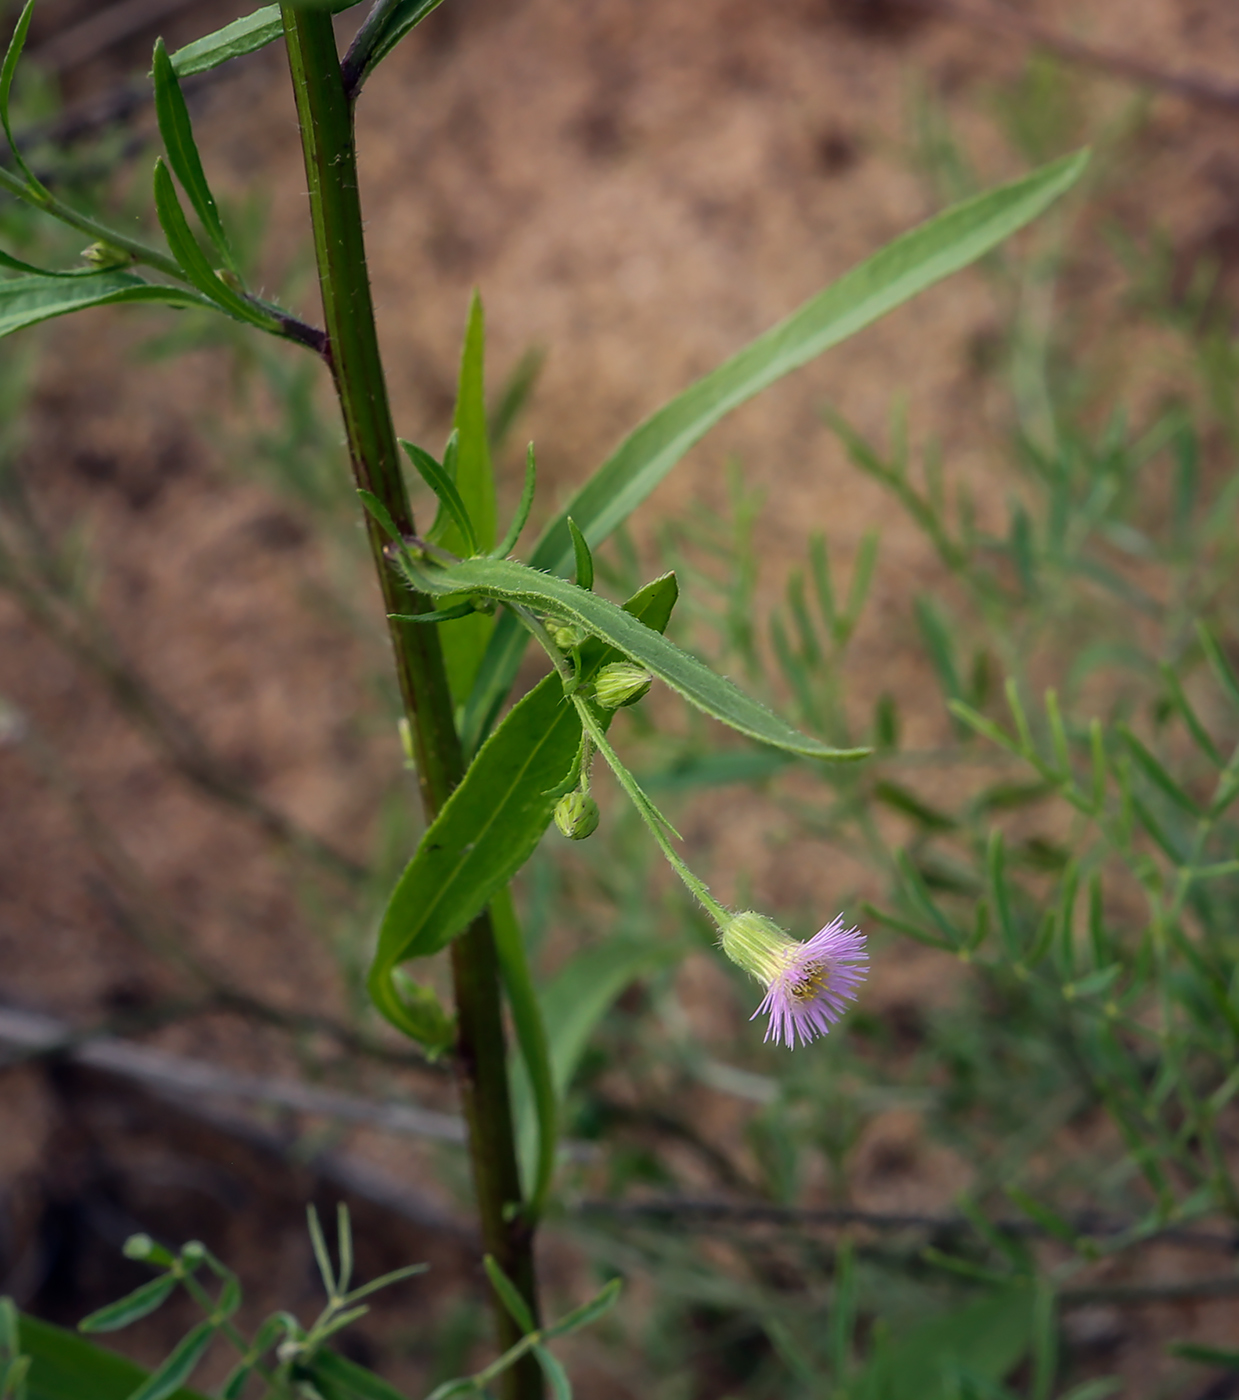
[{"x": 352, "y": 353}]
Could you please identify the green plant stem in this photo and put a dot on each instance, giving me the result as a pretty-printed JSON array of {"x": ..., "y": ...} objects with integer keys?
[{"x": 352, "y": 353}]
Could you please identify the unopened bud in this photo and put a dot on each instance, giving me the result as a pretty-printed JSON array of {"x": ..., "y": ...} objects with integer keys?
[
  {"x": 230, "y": 280},
  {"x": 567, "y": 635},
  {"x": 576, "y": 815},
  {"x": 138, "y": 1247},
  {"x": 621, "y": 683},
  {"x": 105, "y": 256}
]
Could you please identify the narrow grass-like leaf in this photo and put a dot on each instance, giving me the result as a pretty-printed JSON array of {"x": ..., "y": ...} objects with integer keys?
[
  {"x": 508, "y": 1293},
  {"x": 1219, "y": 664},
  {"x": 1189, "y": 716},
  {"x": 177, "y": 132},
  {"x": 385, "y": 1281},
  {"x": 178, "y": 1366},
  {"x": 601, "y": 1303},
  {"x": 12, "y": 57},
  {"x": 491, "y": 823},
  {"x": 508, "y": 581},
  {"x": 322, "y": 1256},
  {"x": 557, "y": 1377},
  {"x": 437, "y": 478},
  {"x": 906, "y": 266},
  {"x": 128, "y": 1309},
  {"x": 245, "y": 35},
  {"x": 1156, "y": 773},
  {"x": 25, "y": 301},
  {"x": 193, "y": 263},
  {"x": 439, "y": 615},
  {"x": 584, "y": 559},
  {"x": 508, "y": 543},
  {"x": 913, "y": 931},
  {"x": 16, "y": 265}
]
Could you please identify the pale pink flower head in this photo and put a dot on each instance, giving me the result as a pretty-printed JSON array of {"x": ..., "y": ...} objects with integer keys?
[{"x": 808, "y": 985}]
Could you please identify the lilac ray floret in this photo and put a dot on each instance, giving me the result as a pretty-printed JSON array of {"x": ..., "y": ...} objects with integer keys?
[{"x": 813, "y": 983}]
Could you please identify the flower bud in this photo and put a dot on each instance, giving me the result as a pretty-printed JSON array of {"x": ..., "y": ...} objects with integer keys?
[
  {"x": 757, "y": 944},
  {"x": 105, "y": 257},
  {"x": 138, "y": 1247},
  {"x": 576, "y": 815},
  {"x": 567, "y": 635},
  {"x": 621, "y": 683}
]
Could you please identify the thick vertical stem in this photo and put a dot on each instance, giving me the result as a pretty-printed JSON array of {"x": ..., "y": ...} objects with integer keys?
[{"x": 352, "y": 352}]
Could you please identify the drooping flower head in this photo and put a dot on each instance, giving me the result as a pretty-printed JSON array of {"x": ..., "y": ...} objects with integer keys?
[{"x": 808, "y": 985}]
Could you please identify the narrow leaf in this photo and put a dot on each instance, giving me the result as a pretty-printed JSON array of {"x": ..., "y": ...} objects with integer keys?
[
  {"x": 1156, "y": 773},
  {"x": 178, "y": 138},
  {"x": 584, "y": 559},
  {"x": 509, "y": 1296},
  {"x": 242, "y": 36},
  {"x": 512, "y": 582},
  {"x": 7, "y": 71},
  {"x": 193, "y": 263},
  {"x": 434, "y": 475},
  {"x": 178, "y": 1367},
  {"x": 508, "y": 543},
  {"x": 128, "y": 1309},
  {"x": 25, "y": 301},
  {"x": 561, "y": 1387},
  {"x": 906, "y": 266},
  {"x": 589, "y": 1312}
]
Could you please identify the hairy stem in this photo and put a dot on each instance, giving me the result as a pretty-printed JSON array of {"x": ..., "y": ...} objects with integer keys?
[{"x": 352, "y": 352}]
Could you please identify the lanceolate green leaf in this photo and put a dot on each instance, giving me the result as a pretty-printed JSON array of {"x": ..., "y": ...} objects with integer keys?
[
  {"x": 242, "y": 36},
  {"x": 509, "y": 581},
  {"x": 25, "y": 301},
  {"x": 67, "y": 1367},
  {"x": 490, "y": 825},
  {"x": 186, "y": 251},
  {"x": 129, "y": 1309},
  {"x": 178, "y": 1366},
  {"x": 178, "y": 138},
  {"x": 911, "y": 263},
  {"x": 7, "y": 70}
]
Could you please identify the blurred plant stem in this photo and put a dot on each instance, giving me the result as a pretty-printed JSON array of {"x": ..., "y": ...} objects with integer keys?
[{"x": 352, "y": 352}]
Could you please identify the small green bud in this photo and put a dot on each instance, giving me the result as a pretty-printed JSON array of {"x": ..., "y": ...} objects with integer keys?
[
  {"x": 195, "y": 1249},
  {"x": 230, "y": 280},
  {"x": 138, "y": 1247},
  {"x": 576, "y": 815},
  {"x": 567, "y": 635},
  {"x": 106, "y": 257},
  {"x": 621, "y": 683}
]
